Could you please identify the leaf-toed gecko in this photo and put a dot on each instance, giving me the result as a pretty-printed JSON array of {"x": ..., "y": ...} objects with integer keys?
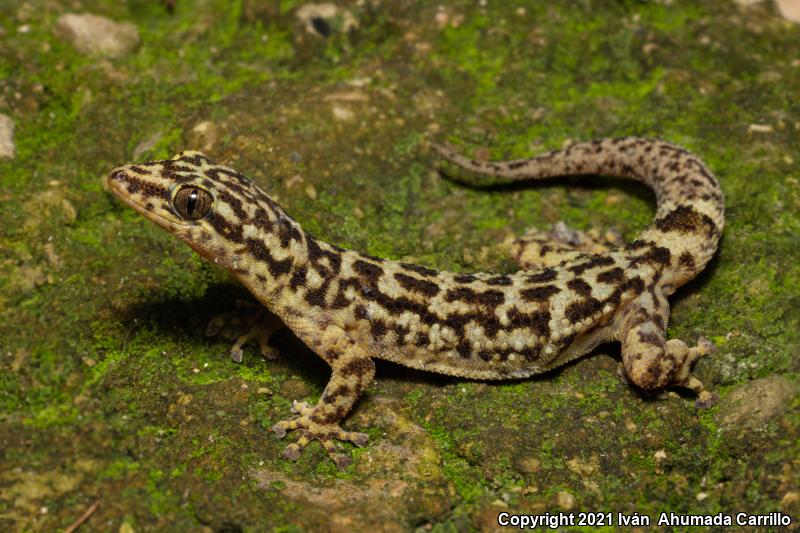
[{"x": 349, "y": 307}]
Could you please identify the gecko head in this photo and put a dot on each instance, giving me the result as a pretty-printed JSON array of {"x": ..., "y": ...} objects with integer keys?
[{"x": 202, "y": 203}]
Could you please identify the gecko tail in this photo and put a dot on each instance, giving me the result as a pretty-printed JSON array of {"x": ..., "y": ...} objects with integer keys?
[
  {"x": 690, "y": 206},
  {"x": 483, "y": 173}
]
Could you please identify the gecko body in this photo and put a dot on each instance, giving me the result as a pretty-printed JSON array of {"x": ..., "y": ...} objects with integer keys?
[{"x": 350, "y": 308}]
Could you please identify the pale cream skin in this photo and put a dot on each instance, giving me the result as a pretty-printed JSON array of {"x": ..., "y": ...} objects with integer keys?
[{"x": 351, "y": 308}]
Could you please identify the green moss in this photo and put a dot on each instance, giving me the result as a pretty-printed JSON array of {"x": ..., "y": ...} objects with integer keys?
[
  {"x": 467, "y": 482},
  {"x": 161, "y": 499},
  {"x": 120, "y": 469}
]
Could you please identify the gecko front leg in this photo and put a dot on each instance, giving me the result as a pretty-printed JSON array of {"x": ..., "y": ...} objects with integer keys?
[
  {"x": 251, "y": 321},
  {"x": 353, "y": 371}
]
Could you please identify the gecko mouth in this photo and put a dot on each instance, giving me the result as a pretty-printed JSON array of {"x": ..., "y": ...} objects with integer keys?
[
  {"x": 119, "y": 183},
  {"x": 116, "y": 181}
]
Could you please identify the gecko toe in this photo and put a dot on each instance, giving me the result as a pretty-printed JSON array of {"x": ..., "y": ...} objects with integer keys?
[
  {"x": 236, "y": 354},
  {"x": 292, "y": 452},
  {"x": 705, "y": 346},
  {"x": 359, "y": 439},
  {"x": 247, "y": 323},
  {"x": 327, "y": 434},
  {"x": 269, "y": 353},
  {"x": 706, "y": 399},
  {"x": 342, "y": 460},
  {"x": 301, "y": 408}
]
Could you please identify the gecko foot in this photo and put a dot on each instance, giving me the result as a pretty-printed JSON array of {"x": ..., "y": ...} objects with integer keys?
[
  {"x": 255, "y": 321},
  {"x": 655, "y": 365},
  {"x": 312, "y": 429}
]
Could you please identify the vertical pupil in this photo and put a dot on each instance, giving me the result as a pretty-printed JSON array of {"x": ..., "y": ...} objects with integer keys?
[{"x": 191, "y": 202}]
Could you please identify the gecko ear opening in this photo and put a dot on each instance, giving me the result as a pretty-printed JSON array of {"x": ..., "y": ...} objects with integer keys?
[{"x": 192, "y": 203}]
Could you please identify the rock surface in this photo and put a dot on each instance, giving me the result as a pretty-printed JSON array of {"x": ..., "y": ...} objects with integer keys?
[
  {"x": 7, "y": 146},
  {"x": 753, "y": 404},
  {"x": 790, "y": 9},
  {"x": 96, "y": 35}
]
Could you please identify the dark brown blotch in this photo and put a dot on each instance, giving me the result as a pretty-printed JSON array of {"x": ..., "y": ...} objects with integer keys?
[
  {"x": 548, "y": 274},
  {"x": 686, "y": 260},
  {"x": 464, "y": 278},
  {"x": 234, "y": 203},
  {"x": 685, "y": 219},
  {"x": 182, "y": 168},
  {"x": 539, "y": 294},
  {"x": 261, "y": 253},
  {"x": 377, "y": 328},
  {"x": 638, "y": 244},
  {"x": 500, "y": 281},
  {"x": 488, "y": 321},
  {"x": 139, "y": 170},
  {"x": 464, "y": 349},
  {"x": 316, "y": 256},
  {"x": 421, "y": 270},
  {"x": 657, "y": 255},
  {"x": 537, "y": 321},
  {"x": 231, "y": 232},
  {"x": 357, "y": 367},
  {"x": 316, "y": 297},
  {"x": 143, "y": 187},
  {"x": 613, "y": 276},
  {"x": 195, "y": 159},
  {"x": 650, "y": 338},
  {"x": 261, "y": 219},
  {"x": 594, "y": 261},
  {"x": 368, "y": 270},
  {"x": 341, "y": 390},
  {"x": 340, "y": 301},
  {"x": 422, "y": 340},
  {"x": 397, "y": 306},
  {"x": 577, "y": 311},
  {"x": 580, "y": 287},
  {"x": 490, "y": 298},
  {"x": 421, "y": 286},
  {"x": 288, "y": 231}
]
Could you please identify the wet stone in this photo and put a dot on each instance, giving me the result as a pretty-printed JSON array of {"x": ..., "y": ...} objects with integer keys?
[
  {"x": 97, "y": 36},
  {"x": 753, "y": 404}
]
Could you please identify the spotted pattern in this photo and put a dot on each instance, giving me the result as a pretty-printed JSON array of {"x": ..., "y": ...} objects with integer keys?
[{"x": 350, "y": 307}]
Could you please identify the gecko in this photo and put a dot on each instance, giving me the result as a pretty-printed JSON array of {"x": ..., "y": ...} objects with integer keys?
[{"x": 350, "y": 308}]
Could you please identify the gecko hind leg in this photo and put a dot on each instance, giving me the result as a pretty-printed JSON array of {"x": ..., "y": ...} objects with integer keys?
[
  {"x": 256, "y": 322},
  {"x": 653, "y": 363},
  {"x": 547, "y": 248},
  {"x": 352, "y": 373}
]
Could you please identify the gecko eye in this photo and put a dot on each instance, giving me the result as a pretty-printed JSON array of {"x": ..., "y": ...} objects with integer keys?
[{"x": 192, "y": 203}]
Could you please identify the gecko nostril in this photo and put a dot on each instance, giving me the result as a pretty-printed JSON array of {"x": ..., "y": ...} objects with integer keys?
[{"x": 117, "y": 175}]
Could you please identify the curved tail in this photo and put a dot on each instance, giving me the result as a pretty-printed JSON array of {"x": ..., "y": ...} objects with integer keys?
[{"x": 690, "y": 207}]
